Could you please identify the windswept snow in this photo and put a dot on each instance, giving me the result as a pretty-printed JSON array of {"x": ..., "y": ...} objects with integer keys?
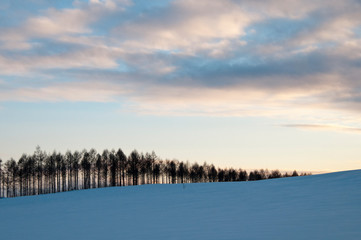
[{"x": 324, "y": 206}]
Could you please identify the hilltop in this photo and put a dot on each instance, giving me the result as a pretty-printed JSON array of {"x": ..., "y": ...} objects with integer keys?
[{"x": 325, "y": 206}]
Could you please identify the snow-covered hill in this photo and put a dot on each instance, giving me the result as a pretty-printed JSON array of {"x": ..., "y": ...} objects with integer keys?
[{"x": 324, "y": 206}]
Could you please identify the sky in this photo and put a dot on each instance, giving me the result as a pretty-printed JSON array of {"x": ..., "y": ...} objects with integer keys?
[{"x": 244, "y": 84}]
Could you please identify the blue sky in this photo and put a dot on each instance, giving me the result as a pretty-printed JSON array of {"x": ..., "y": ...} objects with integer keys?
[{"x": 251, "y": 84}]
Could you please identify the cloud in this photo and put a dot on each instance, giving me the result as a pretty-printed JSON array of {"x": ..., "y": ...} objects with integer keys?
[
  {"x": 73, "y": 92},
  {"x": 94, "y": 58},
  {"x": 298, "y": 60},
  {"x": 54, "y": 23},
  {"x": 188, "y": 26},
  {"x": 324, "y": 127}
]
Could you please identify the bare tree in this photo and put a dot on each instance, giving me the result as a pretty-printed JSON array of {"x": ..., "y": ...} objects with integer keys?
[
  {"x": 41, "y": 173},
  {"x": 134, "y": 159},
  {"x": 122, "y": 161}
]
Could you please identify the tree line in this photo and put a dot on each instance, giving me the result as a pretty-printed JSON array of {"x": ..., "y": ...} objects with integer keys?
[{"x": 42, "y": 173}]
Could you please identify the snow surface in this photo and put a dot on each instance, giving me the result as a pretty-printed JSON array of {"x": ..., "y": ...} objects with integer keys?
[{"x": 326, "y": 206}]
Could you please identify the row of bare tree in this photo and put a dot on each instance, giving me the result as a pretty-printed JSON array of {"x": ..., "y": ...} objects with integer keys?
[{"x": 42, "y": 173}]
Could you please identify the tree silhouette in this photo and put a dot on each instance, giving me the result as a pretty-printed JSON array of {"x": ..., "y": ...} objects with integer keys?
[
  {"x": 134, "y": 159},
  {"x": 105, "y": 165},
  {"x": 212, "y": 174},
  {"x": 113, "y": 160},
  {"x": 39, "y": 157},
  {"x": 76, "y": 166},
  {"x": 156, "y": 172},
  {"x": 181, "y": 172},
  {"x": 99, "y": 165},
  {"x": 242, "y": 175},
  {"x": 70, "y": 171},
  {"x": 42, "y": 173},
  {"x": 173, "y": 171},
  {"x": 275, "y": 174},
  {"x": 93, "y": 159},
  {"x": 85, "y": 165},
  {"x": 122, "y": 161}
]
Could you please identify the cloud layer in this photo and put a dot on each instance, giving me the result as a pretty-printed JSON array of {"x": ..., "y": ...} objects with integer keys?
[{"x": 298, "y": 60}]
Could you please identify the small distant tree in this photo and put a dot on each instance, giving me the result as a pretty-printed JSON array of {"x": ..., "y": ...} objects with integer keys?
[
  {"x": 69, "y": 166},
  {"x": 99, "y": 165},
  {"x": 113, "y": 160},
  {"x": 134, "y": 159},
  {"x": 105, "y": 165},
  {"x": 7, "y": 170},
  {"x": 21, "y": 175},
  {"x": 76, "y": 167},
  {"x": 92, "y": 159},
  {"x": 242, "y": 175},
  {"x": 85, "y": 165},
  {"x": 148, "y": 166},
  {"x": 231, "y": 175},
  {"x": 286, "y": 175},
  {"x": 275, "y": 174},
  {"x": 212, "y": 174},
  {"x": 32, "y": 173},
  {"x": 173, "y": 171},
  {"x": 39, "y": 157},
  {"x": 13, "y": 170},
  {"x": 156, "y": 172},
  {"x": 122, "y": 161},
  {"x": 256, "y": 175},
  {"x": 221, "y": 175},
  {"x": 181, "y": 172},
  {"x": 58, "y": 160},
  {"x": 142, "y": 168}
]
